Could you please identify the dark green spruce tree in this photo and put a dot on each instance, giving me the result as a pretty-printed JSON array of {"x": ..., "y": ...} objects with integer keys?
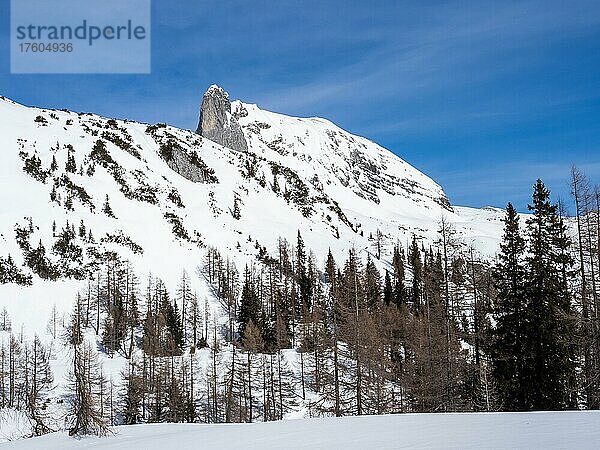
[
  {"x": 388, "y": 293},
  {"x": 250, "y": 305},
  {"x": 533, "y": 353},
  {"x": 509, "y": 349},
  {"x": 550, "y": 319},
  {"x": 400, "y": 291},
  {"x": 304, "y": 282},
  {"x": 414, "y": 258}
]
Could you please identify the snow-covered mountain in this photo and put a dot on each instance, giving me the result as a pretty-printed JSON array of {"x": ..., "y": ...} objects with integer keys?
[
  {"x": 174, "y": 193},
  {"x": 78, "y": 190}
]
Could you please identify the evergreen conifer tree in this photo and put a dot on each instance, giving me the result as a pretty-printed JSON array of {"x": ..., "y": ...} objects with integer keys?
[
  {"x": 250, "y": 305},
  {"x": 549, "y": 316},
  {"x": 106, "y": 208},
  {"x": 416, "y": 264},
  {"x": 388, "y": 294},
  {"x": 54, "y": 164},
  {"x": 509, "y": 349}
]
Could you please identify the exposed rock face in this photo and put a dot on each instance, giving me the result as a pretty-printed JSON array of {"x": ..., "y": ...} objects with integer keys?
[
  {"x": 216, "y": 121},
  {"x": 191, "y": 167}
]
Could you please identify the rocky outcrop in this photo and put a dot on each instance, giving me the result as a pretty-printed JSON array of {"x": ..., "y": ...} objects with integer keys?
[
  {"x": 191, "y": 167},
  {"x": 181, "y": 155},
  {"x": 217, "y": 123}
]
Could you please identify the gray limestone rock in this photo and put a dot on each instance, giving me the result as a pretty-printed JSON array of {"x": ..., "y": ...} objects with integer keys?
[{"x": 217, "y": 123}]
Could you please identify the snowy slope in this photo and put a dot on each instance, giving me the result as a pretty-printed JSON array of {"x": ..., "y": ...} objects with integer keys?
[
  {"x": 548, "y": 430},
  {"x": 351, "y": 188},
  {"x": 342, "y": 161}
]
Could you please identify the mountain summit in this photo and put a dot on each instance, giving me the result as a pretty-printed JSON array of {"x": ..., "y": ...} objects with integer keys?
[{"x": 216, "y": 121}]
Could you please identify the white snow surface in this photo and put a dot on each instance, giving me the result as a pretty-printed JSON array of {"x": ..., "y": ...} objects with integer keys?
[{"x": 543, "y": 430}]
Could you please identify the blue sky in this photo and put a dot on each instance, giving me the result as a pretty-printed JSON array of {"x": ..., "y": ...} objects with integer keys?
[{"x": 482, "y": 96}]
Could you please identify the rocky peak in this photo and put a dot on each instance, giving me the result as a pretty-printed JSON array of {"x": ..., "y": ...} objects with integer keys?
[{"x": 216, "y": 121}]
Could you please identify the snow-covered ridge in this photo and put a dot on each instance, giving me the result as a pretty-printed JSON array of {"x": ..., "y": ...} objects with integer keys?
[{"x": 344, "y": 161}]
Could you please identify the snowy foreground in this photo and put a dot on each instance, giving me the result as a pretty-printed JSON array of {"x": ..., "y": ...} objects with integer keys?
[{"x": 547, "y": 430}]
